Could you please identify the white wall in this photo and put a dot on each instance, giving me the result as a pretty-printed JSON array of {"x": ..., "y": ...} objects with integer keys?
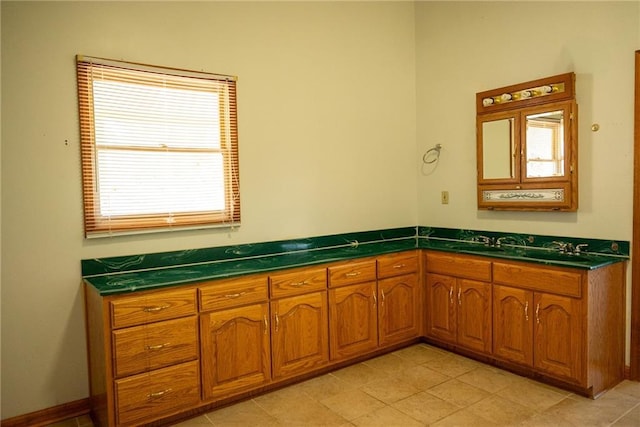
[{"x": 326, "y": 96}]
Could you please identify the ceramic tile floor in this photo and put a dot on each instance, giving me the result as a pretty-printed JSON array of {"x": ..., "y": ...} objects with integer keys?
[{"x": 424, "y": 386}]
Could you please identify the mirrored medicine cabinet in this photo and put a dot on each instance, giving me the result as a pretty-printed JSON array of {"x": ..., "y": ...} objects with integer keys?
[{"x": 527, "y": 154}]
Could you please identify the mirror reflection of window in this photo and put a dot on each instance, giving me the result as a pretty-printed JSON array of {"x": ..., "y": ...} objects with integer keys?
[
  {"x": 545, "y": 147},
  {"x": 497, "y": 149}
]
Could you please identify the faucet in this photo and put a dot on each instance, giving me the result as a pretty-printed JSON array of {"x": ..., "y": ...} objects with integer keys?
[
  {"x": 488, "y": 241},
  {"x": 562, "y": 246},
  {"x": 579, "y": 248}
]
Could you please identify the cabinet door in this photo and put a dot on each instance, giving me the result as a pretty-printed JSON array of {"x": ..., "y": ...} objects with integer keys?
[
  {"x": 558, "y": 335},
  {"x": 513, "y": 324},
  {"x": 398, "y": 309},
  {"x": 299, "y": 333},
  {"x": 441, "y": 313},
  {"x": 474, "y": 315},
  {"x": 235, "y": 350},
  {"x": 353, "y": 320}
]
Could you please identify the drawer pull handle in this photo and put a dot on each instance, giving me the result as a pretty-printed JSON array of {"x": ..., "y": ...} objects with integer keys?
[
  {"x": 537, "y": 313},
  {"x": 399, "y": 266},
  {"x": 382, "y": 295},
  {"x": 526, "y": 311},
  {"x": 266, "y": 325},
  {"x": 451, "y": 295},
  {"x": 300, "y": 284},
  {"x": 157, "y": 394},
  {"x": 277, "y": 322},
  {"x": 459, "y": 296},
  {"x": 157, "y": 346},
  {"x": 352, "y": 274},
  {"x": 234, "y": 296},
  {"x": 155, "y": 308},
  {"x": 375, "y": 299}
]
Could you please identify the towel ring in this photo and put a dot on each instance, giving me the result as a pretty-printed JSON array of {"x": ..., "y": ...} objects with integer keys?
[{"x": 434, "y": 153}]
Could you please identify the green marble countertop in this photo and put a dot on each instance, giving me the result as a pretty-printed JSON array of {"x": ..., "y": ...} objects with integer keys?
[
  {"x": 588, "y": 261},
  {"x": 124, "y": 274}
]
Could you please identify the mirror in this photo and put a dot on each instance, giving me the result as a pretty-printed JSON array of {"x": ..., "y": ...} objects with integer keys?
[
  {"x": 498, "y": 149},
  {"x": 527, "y": 146}
]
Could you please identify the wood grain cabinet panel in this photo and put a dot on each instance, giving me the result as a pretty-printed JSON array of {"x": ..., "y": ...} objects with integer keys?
[
  {"x": 152, "y": 307},
  {"x": 299, "y": 334},
  {"x": 351, "y": 272},
  {"x": 513, "y": 324},
  {"x": 353, "y": 320},
  {"x": 459, "y": 311},
  {"x": 236, "y": 351},
  {"x": 157, "y": 393},
  {"x": 397, "y": 264},
  {"x": 153, "y": 346},
  {"x": 217, "y": 295},
  {"x": 297, "y": 281},
  {"x": 558, "y": 336},
  {"x": 398, "y": 309}
]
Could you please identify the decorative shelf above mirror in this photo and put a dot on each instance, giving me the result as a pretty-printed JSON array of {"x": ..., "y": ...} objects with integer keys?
[{"x": 527, "y": 146}]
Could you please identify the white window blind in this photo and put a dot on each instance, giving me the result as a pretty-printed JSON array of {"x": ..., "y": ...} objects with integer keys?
[{"x": 159, "y": 147}]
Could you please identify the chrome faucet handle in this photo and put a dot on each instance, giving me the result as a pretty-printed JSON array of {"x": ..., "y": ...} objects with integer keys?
[
  {"x": 488, "y": 241},
  {"x": 562, "y": 247},
  {"x": 579, "y": 248}
]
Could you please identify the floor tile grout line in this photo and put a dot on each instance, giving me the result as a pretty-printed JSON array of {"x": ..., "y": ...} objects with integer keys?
[{"x": 626, "y": 413}]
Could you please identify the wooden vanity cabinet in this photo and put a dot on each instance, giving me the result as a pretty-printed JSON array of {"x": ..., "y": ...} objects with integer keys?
[
  {"x": 353, "y": 308},
  {"x": 143, "y": 355},
  {"x": 459, "y": 300},
  {"x": 374, "y": 303},
  {"x": 235, "y": 336},
  {"x": 538, "y": 318},
  {"x": 399, "y": 298},
  {"x": 299, "y": 321},
  {"x": 560, "y": 323}
]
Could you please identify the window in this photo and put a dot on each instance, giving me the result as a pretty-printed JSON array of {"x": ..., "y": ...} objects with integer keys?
[{"x": 159, "y": 148}]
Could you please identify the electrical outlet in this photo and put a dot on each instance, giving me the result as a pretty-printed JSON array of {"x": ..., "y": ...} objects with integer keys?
[{"x": 444, "y": 197}]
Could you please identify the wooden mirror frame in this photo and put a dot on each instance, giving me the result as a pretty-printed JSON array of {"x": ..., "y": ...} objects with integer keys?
[{"x": 522, "y": 193}]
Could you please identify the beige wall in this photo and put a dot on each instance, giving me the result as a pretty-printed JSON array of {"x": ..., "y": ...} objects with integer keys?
[
  {"x": 337, "y": 103},
  {"x": 464, "y": 48},
  {"x": 326, "y": 96}
]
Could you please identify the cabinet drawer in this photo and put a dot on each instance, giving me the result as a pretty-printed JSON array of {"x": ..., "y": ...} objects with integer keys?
[
  {"x": 397, "y": 264},
  {"x": 142, "y": 348},
  {"x": 463, "y": 266},
  {"x": 298, "y": 281},
  {"x": 547, "y": 279},
  {"x": 152, "y": 307},
  {"x": 151, "y": 395},
  {"x": 352, "y": 272},
  {"x": 233, "y": 293}
]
